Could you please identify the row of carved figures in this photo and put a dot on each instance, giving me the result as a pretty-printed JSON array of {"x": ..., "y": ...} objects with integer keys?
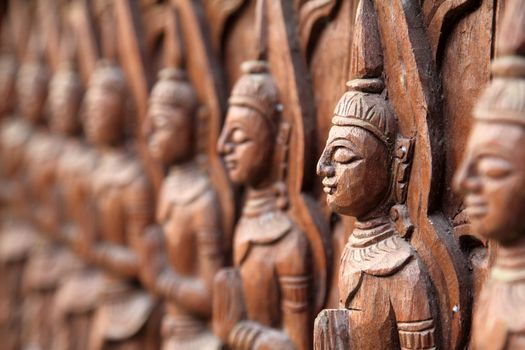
[{"x": 93, "y": 256}]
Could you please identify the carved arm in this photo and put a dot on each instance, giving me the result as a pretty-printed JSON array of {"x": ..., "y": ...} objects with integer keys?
[{"x": 195, "y": 293}]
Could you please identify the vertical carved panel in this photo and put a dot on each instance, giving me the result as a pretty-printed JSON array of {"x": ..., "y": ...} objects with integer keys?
[
  {"x": 491, "y": 179},
  {"x": 161, "y": 154}
]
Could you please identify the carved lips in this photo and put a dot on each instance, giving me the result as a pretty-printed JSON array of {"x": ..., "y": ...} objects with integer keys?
[
  {"x": 476, "y": 206},
  {"x": 329, "y": 186}
]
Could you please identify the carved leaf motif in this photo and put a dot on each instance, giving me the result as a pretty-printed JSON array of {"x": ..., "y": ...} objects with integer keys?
[
  {"x": 440, "y": 14},
  {"x": 366, "y": 57},
  {"x": 310, "y": 13},
  {"x": 218, "y": 12},
  {"x": 414, "y": 91},
  {"x": 290, "y": 73}
]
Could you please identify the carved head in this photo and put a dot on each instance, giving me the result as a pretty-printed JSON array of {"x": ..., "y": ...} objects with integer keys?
[
  {"x": 357, "y": 160},
  {"x": 492, "y": 174},
  {"x": 170, "y": 122},
  {"x": 31, "y": 89},
  {"x": 248, "y": 138},
  {"x": 7, "y": 83},
  {"x": 104, "y": 105},
  {"x": 64, "y": 100}
]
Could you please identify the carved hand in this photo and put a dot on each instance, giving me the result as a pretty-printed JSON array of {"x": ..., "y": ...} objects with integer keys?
[
  {"x": 150, "y": 255},
  {"x": 228, "y": 302}
]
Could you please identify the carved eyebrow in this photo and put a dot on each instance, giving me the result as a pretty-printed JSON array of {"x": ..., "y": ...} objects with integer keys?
[
  {"x": 341, "y": 141},
  {"x": 489, "y": 152}
]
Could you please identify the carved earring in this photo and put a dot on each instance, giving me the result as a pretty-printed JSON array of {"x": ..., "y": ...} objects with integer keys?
[
  {"x": 283, "y": 138},
  {"x": 402, "y": 163}
]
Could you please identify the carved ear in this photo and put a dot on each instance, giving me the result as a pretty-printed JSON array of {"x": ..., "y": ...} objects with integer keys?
[
  {"x": 202, "y": 130},
  {"x": 402, "y": 163},
  {"x": 282, "y": 141},
  {"x": 401, "y": 166},
  {"x": 281, "y": 163}
]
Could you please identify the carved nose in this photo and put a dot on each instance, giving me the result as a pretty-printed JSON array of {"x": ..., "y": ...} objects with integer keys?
[
  {"x": 465, "y": 179},
  {"x": 223, "y": 146},
  {"x": 324, "y": 167}
]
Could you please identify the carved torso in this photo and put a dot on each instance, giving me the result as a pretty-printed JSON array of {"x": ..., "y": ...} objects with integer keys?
[
  {"x": 386, "y": 288},
  {"x": 272, "y": 255},
  {"x": 186, "y": 199},
  {"x": 17, "y": 236},
  {"x": 499, "y": 321},
  {"x": 189, "y": 214},
  {"x": 43, "y": 151},
  {"x": 118, "y": 194},
  {"x": 74, "y": 168},
  {"x": 111, "y": 191},
  {"x": 14, "y": 136}
]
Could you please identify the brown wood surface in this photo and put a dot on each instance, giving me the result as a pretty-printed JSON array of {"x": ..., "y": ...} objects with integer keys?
[{"x": 261, "y": 174}]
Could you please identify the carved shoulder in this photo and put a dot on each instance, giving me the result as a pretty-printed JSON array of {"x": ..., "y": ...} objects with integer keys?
[
  {"x": 294, "y": 256},
  {"x": 412, "y": 296},
  {"x": 139, "y": 191},
  {"x": 206, "y": 206}
]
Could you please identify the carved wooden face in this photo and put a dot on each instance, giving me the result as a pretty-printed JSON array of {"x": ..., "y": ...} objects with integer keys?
[
  {"x": 64, "y": 100},
  {"x": 492, "y": 178},
  {"x": 103, "y": 115},
  {"x": 246, "y": 146},
  {"x": 355, "y": 167},
  {"x": 169, "y": 137}
]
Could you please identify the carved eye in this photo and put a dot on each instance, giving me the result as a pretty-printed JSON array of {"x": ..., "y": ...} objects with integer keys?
[
  {"x": 238, "y": 136},
  {"x": 344, "y": 155},
  {"x": 493, "y": 167}
]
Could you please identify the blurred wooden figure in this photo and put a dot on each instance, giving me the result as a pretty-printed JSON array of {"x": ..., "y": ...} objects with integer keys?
[
  {"x": 492, "y": 179},
  {"x": 189, "y": 216},
  {"x": 119, "y": 208}
]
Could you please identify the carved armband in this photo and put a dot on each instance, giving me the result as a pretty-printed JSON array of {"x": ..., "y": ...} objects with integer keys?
[
  {"x": 118, "y": 258},
  {"x": 417, "y": 334},
  {"x": 244, "y": 335},
  {"x": 168, "y": 284},
  {"x": 295, "y": 293}
]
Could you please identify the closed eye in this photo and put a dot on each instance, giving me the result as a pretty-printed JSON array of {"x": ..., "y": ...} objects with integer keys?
[
  {"x": 238, "y": 136},
  {"x": 344, "y": 155},
  {"x": 494, "y": 167}
]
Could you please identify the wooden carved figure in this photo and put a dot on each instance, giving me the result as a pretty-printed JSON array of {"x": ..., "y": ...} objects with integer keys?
[
  {"x": 76, "y": 297},
  {"x": 16, "y": 236},
  {"x": 384, "y": 288},
  {"x": 382, "y": 282},
  {"x": 50, "y": 260},
  {"x": 119, "y": 208},
  {"x": 42, "y": 271},
  {"x": 265, "y": 301},
  {"x": 492, "y": 179},
  {"x": 189, "y": 216}
]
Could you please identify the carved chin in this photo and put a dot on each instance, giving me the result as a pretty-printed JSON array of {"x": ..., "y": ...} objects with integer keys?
[
  {"x": 335, "y": 204},
  {"x": 236, "y": 176}
]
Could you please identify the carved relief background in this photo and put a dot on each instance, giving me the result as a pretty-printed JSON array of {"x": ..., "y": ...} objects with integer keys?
[{"x": 250, "y": 174}]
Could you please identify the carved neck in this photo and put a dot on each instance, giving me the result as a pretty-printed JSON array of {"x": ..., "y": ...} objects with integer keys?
[
  {"x": 372, "y": 231},
  {"x": 260, "y": 201},
  {"x": 184, "y": 168},
  {"x": 509, "y": 265},
  {"x": 110, "y": 147}
]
